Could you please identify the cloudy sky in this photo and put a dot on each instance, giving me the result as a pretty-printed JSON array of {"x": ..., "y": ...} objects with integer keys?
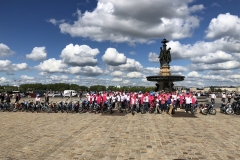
[{"x": 116, "y": 42}]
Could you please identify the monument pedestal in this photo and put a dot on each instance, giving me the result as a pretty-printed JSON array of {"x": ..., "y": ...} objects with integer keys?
[{"x": 165, "y": 71}]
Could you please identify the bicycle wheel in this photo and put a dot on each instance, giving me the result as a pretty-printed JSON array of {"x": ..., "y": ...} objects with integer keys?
[{"x": 212, "y": 111}]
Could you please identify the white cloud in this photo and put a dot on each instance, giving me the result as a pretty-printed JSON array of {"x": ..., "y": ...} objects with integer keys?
[
  {"x": 37, "y": 54},
  {"x": 215, "y": 4},
  {"x": 52, "y": 65},
  {"x": 193, "y": 74},
  {"x": 19, "y": 66},
  {"x": 152, "y": 70},
  {"x": 224, "y": 25},
  {"x": 175, "y": 69},
  {"x": 202, "y": 48},
  {"x": 42, "y": 73},
  {"x": 117, "y": 74},
  {"x": 153, "y": 57},
  {"x": 236, "y": 55},
  {"x": 5, "y": 50},
  {"x": 217, "y": 57},
  {"x": 117, "y": 79},
  {"x": 9, "y": 67},
  {"x": 55, "y": 22},
  {"x": 25, "y": 77},
  {"x": 79, "y": 55},
  {"x": 133, "y": 53},
  {"x": 113, "y": 58},
  {"x": 58, "y": 78},
  {"x": 126, "y": 82},
  {"x": 4, "y": 80},
  {"x": 87, "y": 70},
  {"x": 117, "y": 21},
  {"x": 131, "y": 65},
  {"x": 218, "y": 66},
  {"x": 134, "y": 75},
  {"x": 236, "y": 76},
  {"x": 220, "y": 72}
]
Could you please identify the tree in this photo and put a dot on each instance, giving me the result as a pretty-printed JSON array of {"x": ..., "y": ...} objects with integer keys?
[
  {"x": 97, "y": 88},
  {"x": 212, "y": 88}
]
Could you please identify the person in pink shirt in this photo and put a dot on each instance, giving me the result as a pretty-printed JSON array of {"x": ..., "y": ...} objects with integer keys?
[
  {"x": 162, "y": 102},
  {"x": 193, "y": 101},
  {"x": 133, "y": 102},
  {"x": 99, "y": 99},
  {"x": 181, "y": 96}
]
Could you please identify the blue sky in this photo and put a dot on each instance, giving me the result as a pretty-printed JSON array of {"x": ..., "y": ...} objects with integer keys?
[{"x": 110, "y": 42}]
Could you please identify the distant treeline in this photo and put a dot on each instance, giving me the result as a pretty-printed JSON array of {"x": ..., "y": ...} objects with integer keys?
[{"x": 66, "y": 86}]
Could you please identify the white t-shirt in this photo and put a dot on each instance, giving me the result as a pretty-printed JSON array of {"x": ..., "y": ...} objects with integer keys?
[
  {"x": 37, "y": 99},
  {"x": 213, "y": 95},
  {"x": 122, "y": 98},
  {"x": 118, "y": 98},
  {"x": 174, "y": 96},
  {"x": 188, "y": 100},
  {"x": 145, "y": 99},
  {"x": 223, "y": 95}
]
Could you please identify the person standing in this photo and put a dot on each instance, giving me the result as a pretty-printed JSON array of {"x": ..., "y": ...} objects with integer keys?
[
  {"x": 46, "y": 98},
  {"x": 37, "y": 99},
  {"x": 223, "y": 97},
  {"x": 71, "y": 95},
  {"x": 213, "y": 97},
  {"x": 188, "y": 102},
  {"x": 229, "y": 97}
]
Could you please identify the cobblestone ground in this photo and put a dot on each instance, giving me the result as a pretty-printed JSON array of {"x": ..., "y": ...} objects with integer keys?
[{"x": 37, "y": 136}]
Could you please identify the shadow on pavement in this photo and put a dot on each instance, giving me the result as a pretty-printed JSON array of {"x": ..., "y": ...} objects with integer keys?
[
  {"x": 183, "y": 114},
  {"x": 115, "y": 113}
]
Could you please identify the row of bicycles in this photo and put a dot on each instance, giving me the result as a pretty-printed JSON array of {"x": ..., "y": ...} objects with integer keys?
[
  {"x": 81, "y": 106},
  {"x": 67, "y": 106},
  {"x": 84, "y": 106},
  {"x": 226, "y": 108},
  {"x": 230, "y": 109}
]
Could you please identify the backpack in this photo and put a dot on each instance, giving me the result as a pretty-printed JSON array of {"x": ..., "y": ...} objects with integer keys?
[{"x": 169, "y": 101}]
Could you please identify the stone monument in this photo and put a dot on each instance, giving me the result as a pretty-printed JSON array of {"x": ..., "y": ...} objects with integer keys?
[{"x": 165, "y": 79}]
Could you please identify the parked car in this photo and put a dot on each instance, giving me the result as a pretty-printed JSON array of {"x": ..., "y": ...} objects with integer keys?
[
  {"x": 54, "y": 94},
  {"x": 66, "y": 93}
]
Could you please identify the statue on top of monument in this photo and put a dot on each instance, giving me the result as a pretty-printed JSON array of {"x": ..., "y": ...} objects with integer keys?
[{"x": 165, "y": 56}]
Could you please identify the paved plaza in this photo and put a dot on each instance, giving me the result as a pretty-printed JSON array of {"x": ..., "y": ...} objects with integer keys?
[{"x": 88, "y": 136}]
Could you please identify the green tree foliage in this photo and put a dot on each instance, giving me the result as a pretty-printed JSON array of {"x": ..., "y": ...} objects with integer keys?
[
  {"x": 212, "y": 88},
  {"x": 66, "y": 86},
  {"x": 97, "y": 88}
]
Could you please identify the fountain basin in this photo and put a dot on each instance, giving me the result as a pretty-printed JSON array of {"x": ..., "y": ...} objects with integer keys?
[{"x": 170, "y": 78}]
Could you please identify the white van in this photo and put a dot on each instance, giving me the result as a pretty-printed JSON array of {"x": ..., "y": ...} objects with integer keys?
[{"x": 66, "y": 93}]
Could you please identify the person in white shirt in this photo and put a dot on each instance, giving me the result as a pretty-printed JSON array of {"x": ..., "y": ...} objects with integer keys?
[
  {"x": 146, "y": 101},
  {"x": 37, "y": 99},
  {"x": 122, "y": 99},
  {"x": 188, "y": 100},
  {"x": 223, "y": 97},
  {"x": 213, "y": 96}
]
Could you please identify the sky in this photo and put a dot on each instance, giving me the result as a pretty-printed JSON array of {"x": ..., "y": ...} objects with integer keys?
[{"x": 109, "y": 42}]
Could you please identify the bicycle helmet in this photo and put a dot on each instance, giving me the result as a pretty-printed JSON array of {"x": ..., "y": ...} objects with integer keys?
[{"x": 38, "y": 95}]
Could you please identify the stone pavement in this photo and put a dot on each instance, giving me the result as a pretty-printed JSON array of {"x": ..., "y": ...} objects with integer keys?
[{"x": 63, "y": 136}]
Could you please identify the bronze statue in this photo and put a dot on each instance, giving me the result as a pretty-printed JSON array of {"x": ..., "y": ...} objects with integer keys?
[{"x": 165, "y": 56}]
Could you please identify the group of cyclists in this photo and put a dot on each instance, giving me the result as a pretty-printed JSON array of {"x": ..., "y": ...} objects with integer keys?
[
  {"x": 148, "y": 101},
  {"x": 157, "y": 102}
]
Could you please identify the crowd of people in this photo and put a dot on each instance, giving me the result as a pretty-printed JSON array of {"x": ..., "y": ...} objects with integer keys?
[
  {"x": 148, "y": 99},
  {"x": 159, "y": 100}
]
